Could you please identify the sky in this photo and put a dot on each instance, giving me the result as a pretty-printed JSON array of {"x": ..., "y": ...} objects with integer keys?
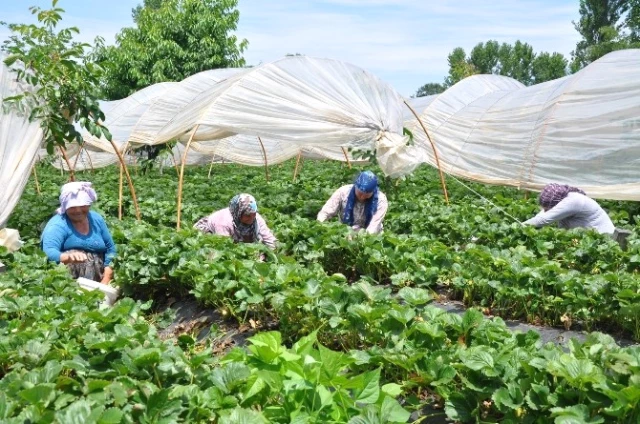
[{"x": 404, "y": 42}]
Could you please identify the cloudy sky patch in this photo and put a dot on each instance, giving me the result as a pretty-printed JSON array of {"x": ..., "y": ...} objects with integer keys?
[{"x": 404, "y": 42}]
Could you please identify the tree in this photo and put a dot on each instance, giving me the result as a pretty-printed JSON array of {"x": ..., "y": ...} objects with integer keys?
[
  {"x": 430, "y": 89},
  {"x": 633, "y": 21},
  {"x": 485, "y": 57},
  {"x": 547, "y": 67},
  {"x": 517, "y": 61},
  {"x": 601, "y": 26},
  {"x": 172, "y": 40},
  {"x": 63, "y": 84},
  {"x": 459, "y": 67}
]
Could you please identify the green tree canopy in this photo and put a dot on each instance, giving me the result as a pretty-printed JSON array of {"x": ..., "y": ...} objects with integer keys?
[
  {"x": 517, "y": 61},
  {"x": 64, "y": 83},
  {"x": 430, "y": 89},
  {"x": 459, "y": 67},
  {"x": 605, "y": 26},
  {"x": 172, "y": 40}
]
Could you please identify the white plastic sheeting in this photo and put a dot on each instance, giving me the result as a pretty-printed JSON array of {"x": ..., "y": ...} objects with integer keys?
[
  {"x": 19, "y": 143},
  {"x": 296, "y": 104},
  {"x": 582, "y": 130}
]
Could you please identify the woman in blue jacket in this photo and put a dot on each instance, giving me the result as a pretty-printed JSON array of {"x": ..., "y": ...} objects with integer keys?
[{"x": 78, "y": 237}]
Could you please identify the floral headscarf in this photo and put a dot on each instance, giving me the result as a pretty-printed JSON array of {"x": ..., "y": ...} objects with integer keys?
[
  {"x": 78, "y": 193},
  {"x": 244, "y": 204},
  {"x": 553, "y": 193},
  {"x": 367, "y": 182}
]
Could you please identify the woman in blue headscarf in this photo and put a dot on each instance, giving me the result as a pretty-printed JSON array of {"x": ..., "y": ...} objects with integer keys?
[{"x": 360, "y": 205}]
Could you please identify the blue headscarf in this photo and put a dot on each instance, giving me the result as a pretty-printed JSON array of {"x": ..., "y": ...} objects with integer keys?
[{"x": 366, "y": 182}]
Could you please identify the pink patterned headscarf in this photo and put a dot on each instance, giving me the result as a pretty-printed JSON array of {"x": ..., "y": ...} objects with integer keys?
[
  {"x": 553, "y": 193},
  {"x": 78, "y": 193}
]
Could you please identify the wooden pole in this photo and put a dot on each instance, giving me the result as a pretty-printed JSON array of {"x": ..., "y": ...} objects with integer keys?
[
  {"x": 120, "y": 193},
  {"x": 93, "y": 171},
  {"x": 175, "y": 162},
  {"x": 264, "y": 155},
  {"x": 72, "y": 175},
  {"x": 213, "y": 158},
  {"x": 295, "y": 171},
  {"x": 75, "y": 162},
  {"x": 435, "y": 152},
  {"x": 346, "y": 157},
  {"x": 35, "y": 177},
  {"x": 129, "y": 180},
  {"x": 181, "y": 176}
]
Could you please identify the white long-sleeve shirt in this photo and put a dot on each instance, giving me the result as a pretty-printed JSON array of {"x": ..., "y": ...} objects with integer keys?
[
  {"x": 338, "y": 202},
  {"x": 575, "y": 210}
]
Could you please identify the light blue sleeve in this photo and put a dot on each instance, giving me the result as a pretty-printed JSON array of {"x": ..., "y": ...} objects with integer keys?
[
  {"x": 106, "y": 236},
  {"x": 53, "y": 238}
]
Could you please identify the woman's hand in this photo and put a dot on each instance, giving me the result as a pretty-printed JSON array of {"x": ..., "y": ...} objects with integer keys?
[
  {"x": 73, "y": 257},
  {"x": 108, "y": 275}
]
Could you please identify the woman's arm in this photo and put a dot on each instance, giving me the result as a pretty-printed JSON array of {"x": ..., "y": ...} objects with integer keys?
[
  {"x": 375, "y": 226},
  {"x": 108, "y": 240},
  {"x": 53, "y": 238},
  {"x": 331, "y": 208},
  {"x": 265, "y": 233},
  {"x": 564, "y": 209}
]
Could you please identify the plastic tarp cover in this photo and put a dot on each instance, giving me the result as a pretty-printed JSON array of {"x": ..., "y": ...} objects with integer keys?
[
  {"x": 293, "y": 104},
  {"x": 19, "y": 144},
  {"x": 583, "y": 129}
]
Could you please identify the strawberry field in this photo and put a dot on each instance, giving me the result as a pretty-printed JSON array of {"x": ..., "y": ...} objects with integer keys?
[{"x": 353, "y": 335}]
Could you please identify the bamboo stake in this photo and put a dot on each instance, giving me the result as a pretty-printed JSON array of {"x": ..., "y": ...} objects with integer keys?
[
  {"x": 72, "y": 175},
  {"x": 295, "y": 171},
  {"x": 181, "y": 177},
  {"x": 175, "y": 163},
  {"x": 264, "y": 155},
  {"x": 213, "y": 158},
  {"x": 129, "y": 180},
  {"x": 435, "y": 152},
  {"x": 120, "y": 193},
  {"x": 35, "y": 177},
  {"x": 135, "y": 164},
  {"x": 346, "y": 157},
  {"x": 75, "y": 163},
  {"x": 93, "y": 171}
]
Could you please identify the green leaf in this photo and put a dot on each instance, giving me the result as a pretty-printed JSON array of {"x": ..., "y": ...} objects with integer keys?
[
  {"x": 42, "y": 394},
  {"x": 111, "y": 416},
  {"x": 392, "y": 389},
  {"x": 414, "y": 296},
  {"x": 266, "y": 346},
  {"x": 476, "y": 358},
  {"x": 230, "y": 376},
  {"x": 332, "y": 363},
  {"x": 370, "y": 391},
  {"x": 537, "y": 397},
  {"x": 459, "y": 407},
  {"x": 576, "y": 414},
  {"x": 243, "y": 416},
  {"x": 508, "y": 398},
  {"x": 6, "y": 406},
  {"x": 392, "y": 412},
  {"x": 76, "y": 413}
]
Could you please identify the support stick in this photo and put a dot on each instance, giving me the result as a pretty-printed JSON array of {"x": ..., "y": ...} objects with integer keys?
[
  {"x": 435, "y": 152},
  {"x": 181, "y": 177}
]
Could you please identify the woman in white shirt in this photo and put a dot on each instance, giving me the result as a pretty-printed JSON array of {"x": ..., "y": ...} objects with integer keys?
[
  {"x": 361, "y": 205},
  {"x": 570, "y": 208}
]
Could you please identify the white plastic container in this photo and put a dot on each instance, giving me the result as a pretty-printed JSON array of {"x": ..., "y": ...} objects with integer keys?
[{"x": 110, "y": 293}]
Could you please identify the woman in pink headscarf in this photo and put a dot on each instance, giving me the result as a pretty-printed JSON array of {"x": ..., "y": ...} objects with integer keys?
[
  {"x": 240, "y": 221},
  {"x": 78, "y": 237}
]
